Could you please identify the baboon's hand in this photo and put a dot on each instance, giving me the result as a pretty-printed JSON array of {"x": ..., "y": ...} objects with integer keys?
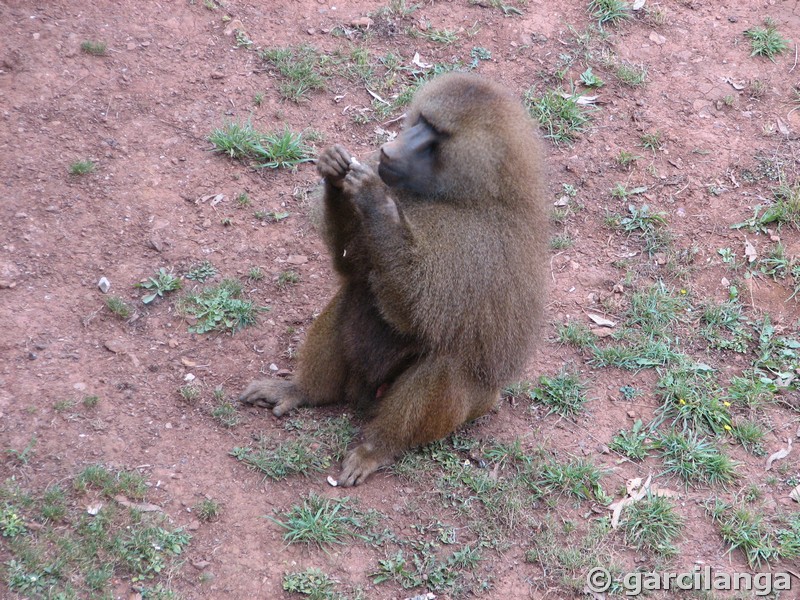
[
  {"x": 334, "y": 164},
  {"x": 281, "y": 396},
  {"x": 368, "y": 193}
]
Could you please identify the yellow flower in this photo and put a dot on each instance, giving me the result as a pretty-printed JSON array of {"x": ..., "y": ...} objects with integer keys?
[
  {"x": 684, "y": 292},
  {"x": 681, "y": 401},
  {"x": 726, "y": 403},
  {"x": 727, "y": 428}
]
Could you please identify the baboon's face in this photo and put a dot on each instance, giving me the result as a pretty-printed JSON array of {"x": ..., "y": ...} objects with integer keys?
[{"x": 409, "y": 162}]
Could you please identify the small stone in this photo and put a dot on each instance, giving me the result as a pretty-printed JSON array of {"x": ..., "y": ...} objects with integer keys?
[
  {"x": 631, "y": 414},
  {"x": 365, "y": 22},
  {"x": 156, "y": 243},
  {"x": 131, "y": 46},
  {"x": 104, "y": 285},
  {"x": 273, "y": 367},
  {"x": 167, "y": 425},
  {"x": 311, "y": 31},
  {"x": 200, "y": 564},
  {"x": 657, "y": 38},
  {"x": 8, "y": 275},
  {"x": 32, "y": 356},
  {"x": 80, "y": 386},
  {"x": 116, "y": 346},
  {"x": 234, "y": 26},
  {"x": 297, "y": 259},
  {"x": 189, "y": 377},
  {"x": 217, "y": 75}
]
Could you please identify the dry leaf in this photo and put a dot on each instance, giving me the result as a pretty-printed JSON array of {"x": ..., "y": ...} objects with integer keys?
[
  {"x": 737, "y": 85},
  {"x": 783, "y": 127},
  {"x": 563, "y": 201},
  {"x": 795, "y": 494},
  {"x": 580, "y": 100},
  {"x": 187, "y": 362},
  {"x": 782, "y": 453},
  {"x": 93, "y": 509},
  {"x": 602, "y": 321},
  {"x": 638, "y": 4},
  {"x": 416, "y": 60},
  {"x": 141, "y": 506},
  {"x": 750, "y": 251}
]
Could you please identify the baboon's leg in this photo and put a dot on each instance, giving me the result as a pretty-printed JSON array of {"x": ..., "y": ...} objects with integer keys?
[{"x": 426, "y": 403}]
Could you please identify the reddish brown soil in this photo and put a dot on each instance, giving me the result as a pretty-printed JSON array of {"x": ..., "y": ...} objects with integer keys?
[{"x": 143, "y": 113}]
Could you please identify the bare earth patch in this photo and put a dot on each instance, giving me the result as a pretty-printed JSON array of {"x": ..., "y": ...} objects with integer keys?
[{"x": 108, "y": 172}]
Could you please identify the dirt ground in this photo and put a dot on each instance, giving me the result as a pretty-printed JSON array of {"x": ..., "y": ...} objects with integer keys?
[{"x": 143, "y": 113}]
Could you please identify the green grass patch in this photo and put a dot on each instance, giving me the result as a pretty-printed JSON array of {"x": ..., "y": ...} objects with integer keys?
[
  {"x": 725, "y": 326},
  {"x": 131, "y": 484},
  {"x": 578, "y": 478},
  {"x": 751, "y": 436},
  {"x": 219, "y": 308},
  {"x": 72, "y": 553},
  {"x": 746, "y": 531},
  {"x": 633, "y": 444},
  {"x": 94, "y": 48},
  {"x": 300, "y": 69},
  {"x": 118, "y": 307},
  {"x": 609, "y": 12},
  {"x": 562, "y": 116},
  {"x": 767, "y": 41},
  {"x": 576, "y": 335},
  {"x": 691, "y": 397},
  {"x": 322, "y": 522},
  {"x": 563, "y": 394},
  {"x": 160, "y": 284},
  {"x": 82, "y": 167},
  {"x": 630, "y": 74},
  {"x": 565, "y": 555},
  {"x": 274, "y": 150},
  {"x": 207, "y": 510},
  {"x": 201, "y": 271},
  {"x": 652, "y": 524},
  {"x": 316, "y": 446},
  {"x": 695, "y": 459},
  {"x": 313, "y": 583}
]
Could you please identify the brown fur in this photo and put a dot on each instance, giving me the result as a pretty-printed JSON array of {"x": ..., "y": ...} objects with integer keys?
[{"x": 441, "y": 289}]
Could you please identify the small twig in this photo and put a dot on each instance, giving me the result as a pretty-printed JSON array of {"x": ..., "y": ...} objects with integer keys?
[
  {"x": 378, "y": 98},
  {"x": 795, "y": 59},
  {"x": 395, "y": 120}
]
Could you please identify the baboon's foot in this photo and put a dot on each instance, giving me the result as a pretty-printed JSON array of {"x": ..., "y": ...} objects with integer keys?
[{"x": 362, "y": 461}]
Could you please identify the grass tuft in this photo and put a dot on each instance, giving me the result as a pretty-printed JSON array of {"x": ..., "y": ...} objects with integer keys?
[
  {"x": 94, "y": 48},
  {"x": 609, "y": 12},
  {"x": 561, "y": 115},
  {"x": 284, "y": 149},
  {"x": 652, "y": 524},
  {"x": 219, "y": 308},
  {"x": 81, "y": 167},
  {"x": 766, "y": 41}
]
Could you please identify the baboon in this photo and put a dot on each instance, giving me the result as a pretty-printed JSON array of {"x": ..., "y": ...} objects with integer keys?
[{"x": 440, "y": 242}]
